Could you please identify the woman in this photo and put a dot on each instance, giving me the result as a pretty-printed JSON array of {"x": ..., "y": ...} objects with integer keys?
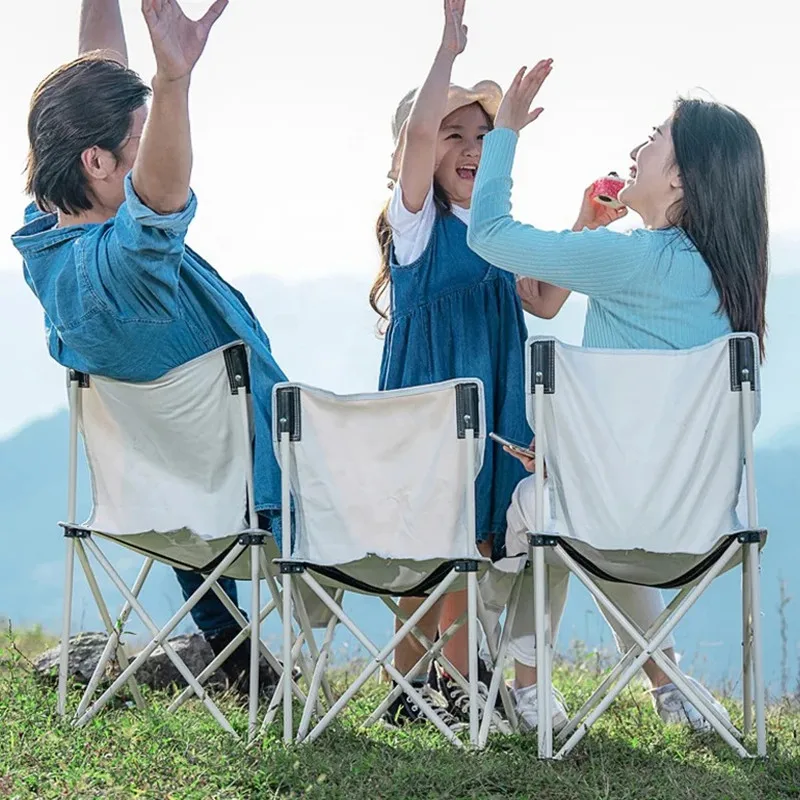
[{"x": 695, "y": 272}]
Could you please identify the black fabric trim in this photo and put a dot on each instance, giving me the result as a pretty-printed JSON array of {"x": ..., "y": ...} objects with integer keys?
[
  {"x": 543, "y": 364},
  {"x": 420, "y": 590},
  {"x": 288, "y": 408},
  {"x": 687, "y": 577},
  {"x": 743, "y": 366},
  {"x": 467, "y": 409},
  {"x": 237, "y": 368}
]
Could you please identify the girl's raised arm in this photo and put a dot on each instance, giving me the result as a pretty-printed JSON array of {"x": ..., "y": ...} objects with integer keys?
[{"x": 419, "y": 139}]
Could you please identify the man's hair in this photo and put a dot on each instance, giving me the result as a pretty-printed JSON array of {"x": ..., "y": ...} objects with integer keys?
[{"x": 86, "y": 103}]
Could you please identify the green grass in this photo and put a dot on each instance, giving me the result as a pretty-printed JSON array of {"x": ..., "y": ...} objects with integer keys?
[{"x": 130, "y": 754}]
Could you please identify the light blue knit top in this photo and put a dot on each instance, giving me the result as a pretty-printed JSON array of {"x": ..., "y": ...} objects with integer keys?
[{"x": 647, "y": 289}]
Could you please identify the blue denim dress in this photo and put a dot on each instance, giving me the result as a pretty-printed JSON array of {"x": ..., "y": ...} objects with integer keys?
[{"x": 454, "y": 315}]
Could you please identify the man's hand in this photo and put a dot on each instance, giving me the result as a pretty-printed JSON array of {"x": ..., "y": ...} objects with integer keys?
[
  {"x": 595, "y": 215},
  {"x": 515, "y": 110},
  {"x": 178, "y": 42}
]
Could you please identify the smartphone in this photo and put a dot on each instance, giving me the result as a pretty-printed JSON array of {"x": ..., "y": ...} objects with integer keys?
[{"x": 522, "y": 449}]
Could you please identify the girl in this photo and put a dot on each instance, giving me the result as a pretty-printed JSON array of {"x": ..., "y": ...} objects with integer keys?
[
  {"x": 695, "y": 272},
  {"x": 452, "y": 313}
]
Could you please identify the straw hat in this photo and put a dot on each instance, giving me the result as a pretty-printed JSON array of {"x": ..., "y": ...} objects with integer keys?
[{"x": 487, "y": 93}]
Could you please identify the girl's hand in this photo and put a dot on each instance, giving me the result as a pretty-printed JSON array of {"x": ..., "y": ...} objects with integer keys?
[
  {"x": 515, "y": 110},
  {"x": 595, "y": 215},
  {"x": 454, "y": 38}
]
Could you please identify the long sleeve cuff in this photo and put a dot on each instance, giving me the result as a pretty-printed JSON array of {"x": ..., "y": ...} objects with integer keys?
[{"x": 499, "y": 148}]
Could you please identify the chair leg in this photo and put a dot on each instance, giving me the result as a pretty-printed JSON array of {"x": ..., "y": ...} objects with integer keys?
[
  {"x": 543, "y": 690},
  {"x": 472, "y": 644},
  {"x": 63, "y": 663},
  {"x": 756, "y": 650},
  {"x": 747, "y": 638},
  {"x": 255, "y": 638},
  {"x": 277, "y": 697},
  {"x": 287, "y": 657}
]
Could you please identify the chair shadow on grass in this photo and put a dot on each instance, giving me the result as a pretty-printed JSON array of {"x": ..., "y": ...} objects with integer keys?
[{"x": 630, "y": 755}]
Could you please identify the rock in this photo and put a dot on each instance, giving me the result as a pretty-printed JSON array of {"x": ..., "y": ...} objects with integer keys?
[
  {"x": 85, "y": 650},
  {"x": 159, "y": 672}
]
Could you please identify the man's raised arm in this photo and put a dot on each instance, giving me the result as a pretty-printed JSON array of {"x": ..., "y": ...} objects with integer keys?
[
  {"x": 101, "y": 29},
  {"x": 163, "y": 166}
]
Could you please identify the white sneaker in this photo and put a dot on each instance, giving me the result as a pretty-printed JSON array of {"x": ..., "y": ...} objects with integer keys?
[
  {"x": 675, "y": 709},
  {"x": 527, "y": 705}
]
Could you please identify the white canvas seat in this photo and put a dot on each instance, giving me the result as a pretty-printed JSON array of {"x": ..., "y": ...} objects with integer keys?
[
  {"x": 171, "y": 478},
  {"x": 649, "y": 457},
  {"x": 382, "y": 487}
]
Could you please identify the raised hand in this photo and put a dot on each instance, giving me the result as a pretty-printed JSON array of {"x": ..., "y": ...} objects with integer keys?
[
  {"x": 178, "y": 42},
  {"x": 515, "y": 110},
  {"x": 595, "y": 215},
  {"x": 454, "y": 38}
]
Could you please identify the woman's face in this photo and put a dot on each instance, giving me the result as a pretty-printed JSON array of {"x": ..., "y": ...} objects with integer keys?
[
  {"x": 458, "y": 152},
  {"x": 654, "y": 184}
]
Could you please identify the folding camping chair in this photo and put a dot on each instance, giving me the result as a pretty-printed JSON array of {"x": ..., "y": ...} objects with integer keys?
[
  {"x": 172, "y": 479},
  {"x": 384, "y": 504},
  {"x": 644, "y": 454}
]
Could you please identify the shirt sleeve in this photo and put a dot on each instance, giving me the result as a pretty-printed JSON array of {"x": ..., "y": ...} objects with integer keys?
[
  {"x": 133, "y": 263},
  {"x": 596, "y": 263},
  {"x": 410, "y": 232}
]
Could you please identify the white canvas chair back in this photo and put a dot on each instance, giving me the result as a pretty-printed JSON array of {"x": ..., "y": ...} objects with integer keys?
[
  {"x": 388, "y": 474},
  {"x": 170, "y": 459},
  {"x": 644, "y": 449},
  {"x": 167, "y": 454}
]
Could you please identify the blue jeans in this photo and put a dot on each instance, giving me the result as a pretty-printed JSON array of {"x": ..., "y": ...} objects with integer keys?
[{"x": 209, "y": 614}]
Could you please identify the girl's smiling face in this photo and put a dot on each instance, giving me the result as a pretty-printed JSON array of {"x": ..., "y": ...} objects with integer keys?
[{"x": 458, "y": 152}]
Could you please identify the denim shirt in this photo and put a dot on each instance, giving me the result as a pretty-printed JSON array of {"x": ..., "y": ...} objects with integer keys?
[{"x": 129, "y": 300}]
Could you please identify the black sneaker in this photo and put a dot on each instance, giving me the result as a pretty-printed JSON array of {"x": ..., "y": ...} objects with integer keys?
[
  {"x": 404, "y": 710},
  {"x": 457, "y": 699},
  {"x": 484, "y": 677},
  {"x": 237, "y": 665}
]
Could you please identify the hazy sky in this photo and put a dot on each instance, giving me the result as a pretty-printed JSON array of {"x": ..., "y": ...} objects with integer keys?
[{"x": 292, "y": 101}]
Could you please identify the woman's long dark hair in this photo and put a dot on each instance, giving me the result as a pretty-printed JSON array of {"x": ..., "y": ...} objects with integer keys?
[
  {"x": 383, "y": 232},
  {"x": 724, "y": 206}
]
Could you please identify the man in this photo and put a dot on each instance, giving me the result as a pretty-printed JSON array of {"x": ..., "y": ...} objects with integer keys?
[{"x": 104, "y": 244}]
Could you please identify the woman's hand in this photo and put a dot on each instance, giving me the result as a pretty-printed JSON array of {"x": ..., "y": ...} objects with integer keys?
[
  {"x": 178, "y": 42},
  {"x": 595, "y": 215},
  {"x": 454, "y": 38},
  {"x": 515, "y": 110},
  {"x": 528, "y": 463}
]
